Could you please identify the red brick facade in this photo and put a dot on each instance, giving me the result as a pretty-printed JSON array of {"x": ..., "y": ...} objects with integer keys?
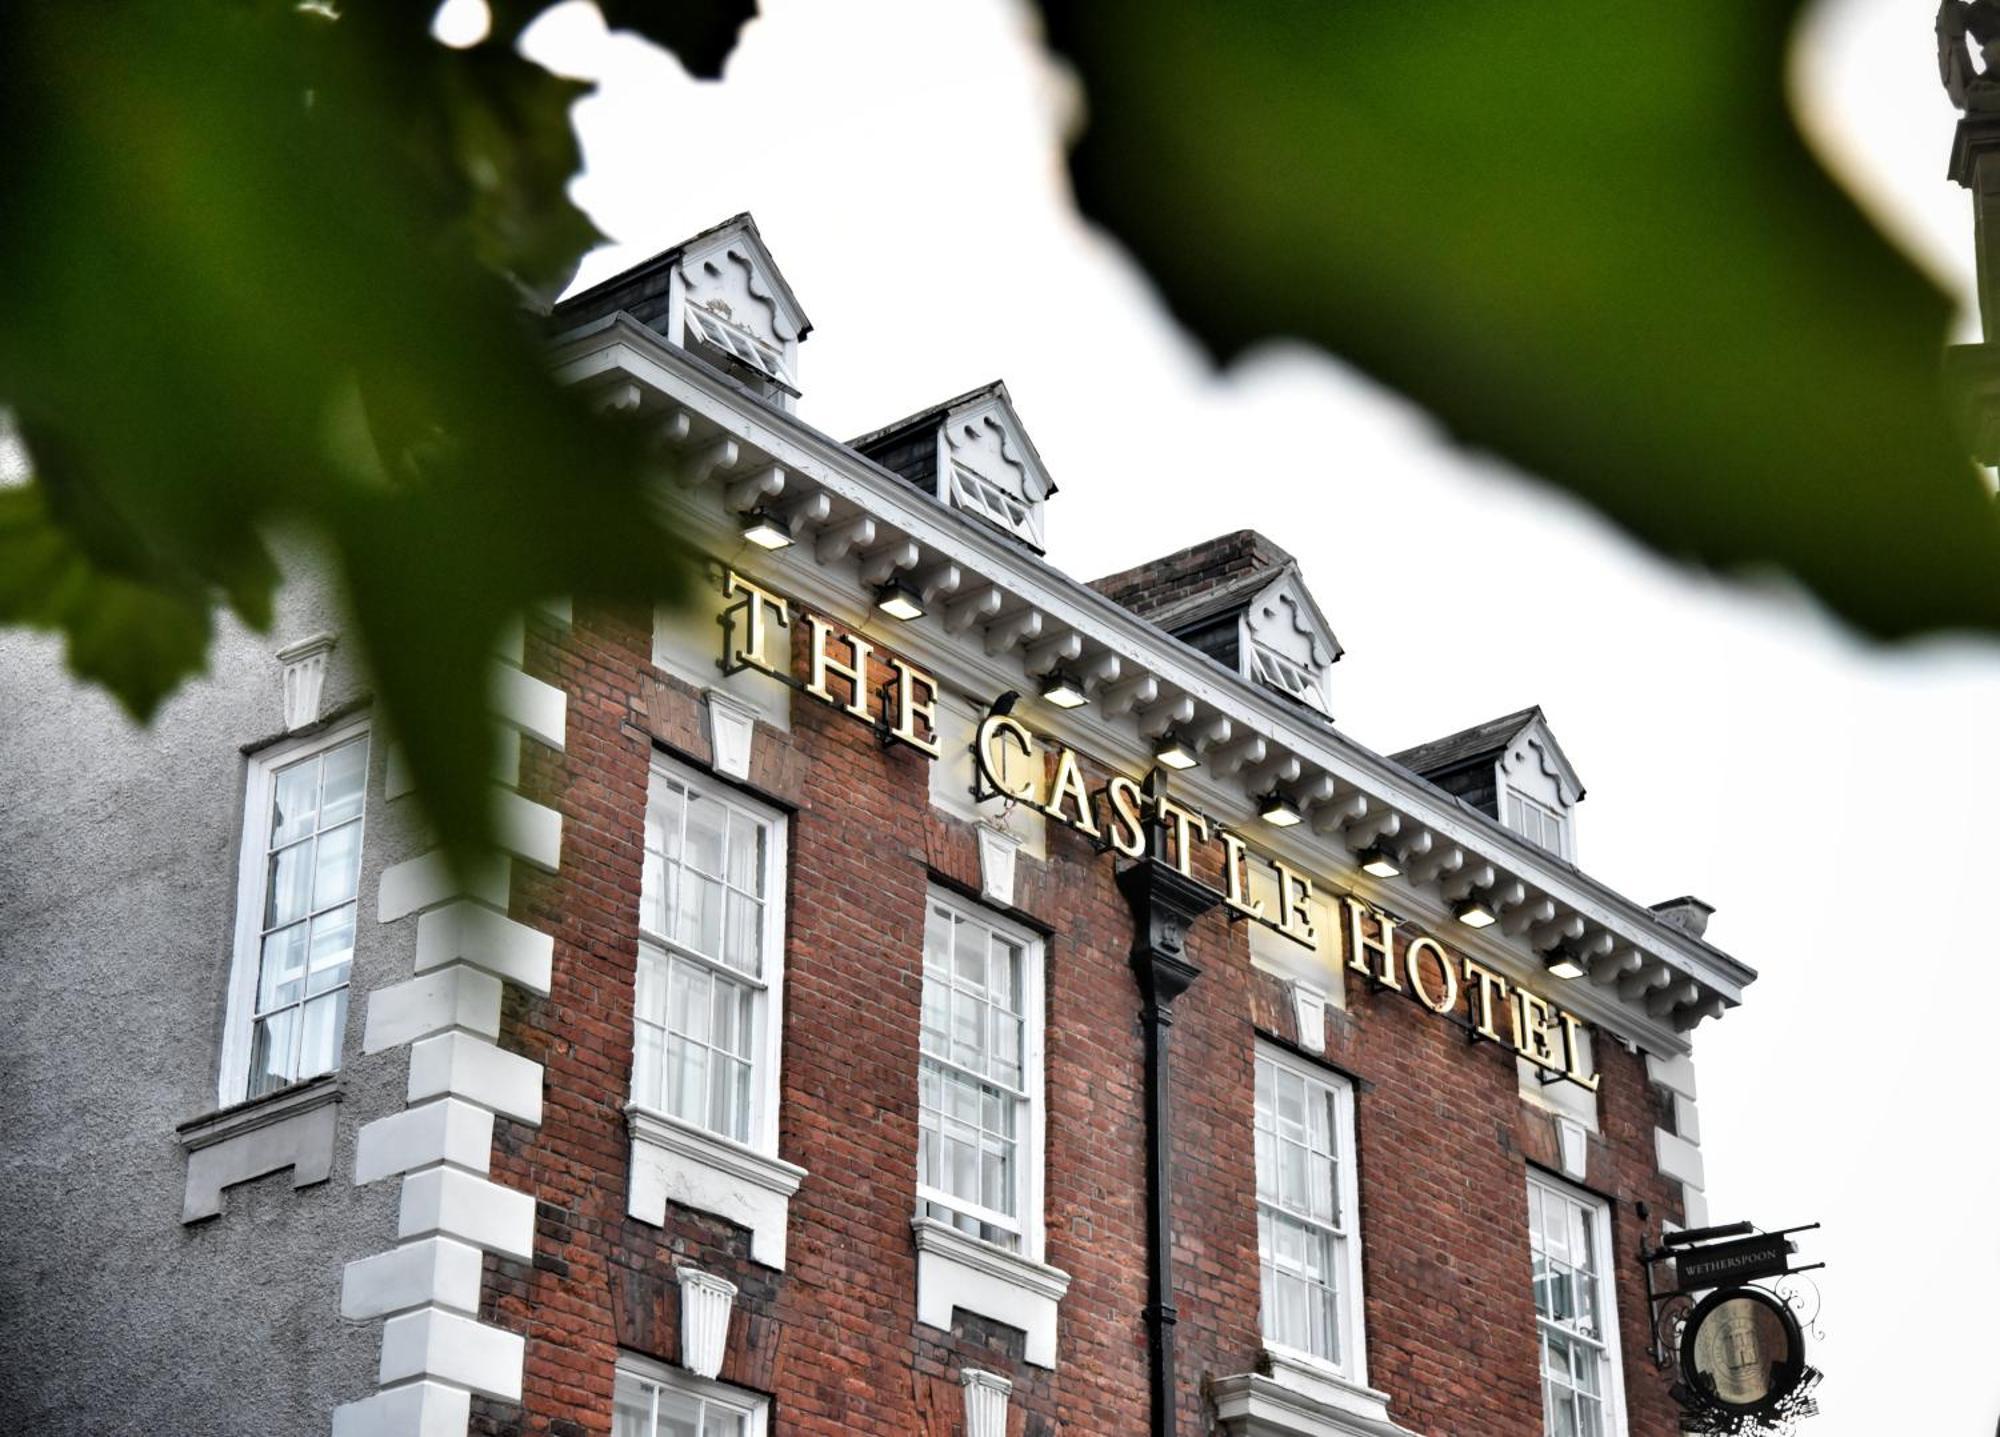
[{"x": 1444, "y": 1137}]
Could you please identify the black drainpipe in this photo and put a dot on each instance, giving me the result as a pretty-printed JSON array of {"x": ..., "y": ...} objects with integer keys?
[{"x": 1164, "y": 902}]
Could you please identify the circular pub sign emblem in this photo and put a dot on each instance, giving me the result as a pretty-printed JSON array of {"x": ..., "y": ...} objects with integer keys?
[{"x": 1742, "y": 1351}]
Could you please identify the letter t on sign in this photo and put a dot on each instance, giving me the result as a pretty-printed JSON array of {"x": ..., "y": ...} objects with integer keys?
[{"x": 743, "y": 644}]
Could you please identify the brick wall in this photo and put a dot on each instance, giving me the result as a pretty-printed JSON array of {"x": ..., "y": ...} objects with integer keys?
[{"x": 1444, "y": 1138}]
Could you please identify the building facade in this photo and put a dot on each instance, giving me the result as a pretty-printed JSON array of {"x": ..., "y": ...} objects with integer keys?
[{"x": 921, "y": 993}]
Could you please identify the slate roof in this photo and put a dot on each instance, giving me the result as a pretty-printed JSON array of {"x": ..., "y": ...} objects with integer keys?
[
  {"x": 887, "y": 439},
  {"x": 641, "y": 289},
  {"x": 1193, "y": 583},
  {"x": 1484, "y": 741}
]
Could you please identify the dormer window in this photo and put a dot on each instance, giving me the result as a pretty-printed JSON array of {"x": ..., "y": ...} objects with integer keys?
[
  {"x": 736, "y": 343},
  {"x": 972, "y": 455},
  {"x": 1510, "y": 768},
  {"x": 1538, "y": 823},
  {"x": 1287, "y": 645},
  {"x": 719, "y": 296},
  {"x": 1291, "y": 679},
  {"x": 973, "y": 491}
]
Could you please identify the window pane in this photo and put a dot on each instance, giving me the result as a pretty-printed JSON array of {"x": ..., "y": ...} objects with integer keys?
[
  {"x": 646, "y": 1054},
  {"x": 699, "y": 923},
  {"x": 281, "y": 979},
  {"x": 294, "y": 801},
  {"x": 746, "y": 854},
  {"x": 632, "y": 1410},
  {"x": 680, "y": 1414},
  {"x": 344, "y": 772},
  {"x": 272, "y": 1042},
  {"x": 319, "y": 1047},
  {"x": 744, "y": 950},
  {"x": 290, "y": 889},
  {"x": 723, "y": 1424},
  {"x": 705, "y": 822},
  {"x": 332, "y": 949},
  {"x": 338, "y": 866}
]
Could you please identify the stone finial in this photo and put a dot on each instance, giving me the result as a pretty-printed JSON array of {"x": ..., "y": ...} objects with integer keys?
[
  {"x": 1961, "y": 24},
  {"x": 986, "y": 1395},
  {"x": 706, "y": 1302},
  {"x": 305, "y": 678}
]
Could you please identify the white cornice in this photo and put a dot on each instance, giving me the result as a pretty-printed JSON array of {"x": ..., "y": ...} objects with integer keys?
[{"x": 699, "y": 398}]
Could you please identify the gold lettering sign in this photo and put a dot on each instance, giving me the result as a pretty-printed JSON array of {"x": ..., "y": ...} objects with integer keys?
[{"x": 1009, "y": 757}]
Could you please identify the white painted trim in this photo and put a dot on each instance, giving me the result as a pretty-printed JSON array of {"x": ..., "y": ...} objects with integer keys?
[
  {"x": 958, "y": 1271},
  {"x": 1353, "y": 1371},
  {"x": 673, "y": 1162},
  {"x": 1034, "y": 1076},
  {"x": 767, "y": 1072},
  {"x": 752, "y": 1405},
  {"x": 1253, "y": 1405},
  {"x": 618, "y": 344},
  {"x": 1607, "y": 1295},
  {"x": 233, "y": 1069}
]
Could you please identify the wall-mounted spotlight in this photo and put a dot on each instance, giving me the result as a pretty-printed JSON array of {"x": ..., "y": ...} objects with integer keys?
[
  {"x": 1278, "y": 811},
  {"x": 1063, "y": 691},
  {"x": 1175, "y": 753},
  {"x": 766, "y": 530},
  {"x": 1562, "y": 964},
  {"x": 1474, "y": 914},
  {"x": 1378, "y": 863},
  {"x": 899, "y": 601}
]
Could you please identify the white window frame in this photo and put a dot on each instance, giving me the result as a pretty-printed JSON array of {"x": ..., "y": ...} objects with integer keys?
[
  {"x": 252, "y": 880},
  {"x": 1353, "y": 1368},
  {"x": 973, "y": 492},
  {"x": 1547, "y": 817},
  {"x": 1033, "y": 1130},
  {"x": 1599, "y": 1212},
  {"x": 658, "y": 1376},
  {"x": 768, "y": 1042}
]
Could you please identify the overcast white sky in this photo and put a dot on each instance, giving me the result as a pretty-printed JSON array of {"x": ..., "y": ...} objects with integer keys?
[{"x": 1833, "y": 801}]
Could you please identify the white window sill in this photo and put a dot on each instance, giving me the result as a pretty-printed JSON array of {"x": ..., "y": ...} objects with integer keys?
[
  {"x": 673, "y": 1162},
  {"x": 1301, "y": 1396},
  {"x": 291, "y": 1127},
  {"x": 957, "y": 1271}
]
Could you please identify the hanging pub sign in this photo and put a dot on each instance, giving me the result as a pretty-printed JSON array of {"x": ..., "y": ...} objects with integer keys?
[
  {"x": 1014, "y": 762},
  {"x": 1737, "y": 1348},
  {"x": 1742, "y": 1352}
]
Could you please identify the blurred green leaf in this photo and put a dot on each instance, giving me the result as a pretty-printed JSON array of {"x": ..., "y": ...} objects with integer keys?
[
  {"x": 1586, "y": 237},
  {"x": 267, "y": 266}
]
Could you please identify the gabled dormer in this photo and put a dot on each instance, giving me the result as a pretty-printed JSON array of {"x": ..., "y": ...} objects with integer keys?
[
  {"x": 973, "y": 454},
  {"x": 1241, "y": 600},
  {"x": 1510, "y": 768},
  {"x": 719, "y": 295}
]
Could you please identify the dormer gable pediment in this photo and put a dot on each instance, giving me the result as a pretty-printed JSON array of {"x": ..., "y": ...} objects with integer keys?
[
  {"x": 1288, "y": 644},
  {"x": 975, "y": 455},
  {"x": 728, "y": 272}
]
